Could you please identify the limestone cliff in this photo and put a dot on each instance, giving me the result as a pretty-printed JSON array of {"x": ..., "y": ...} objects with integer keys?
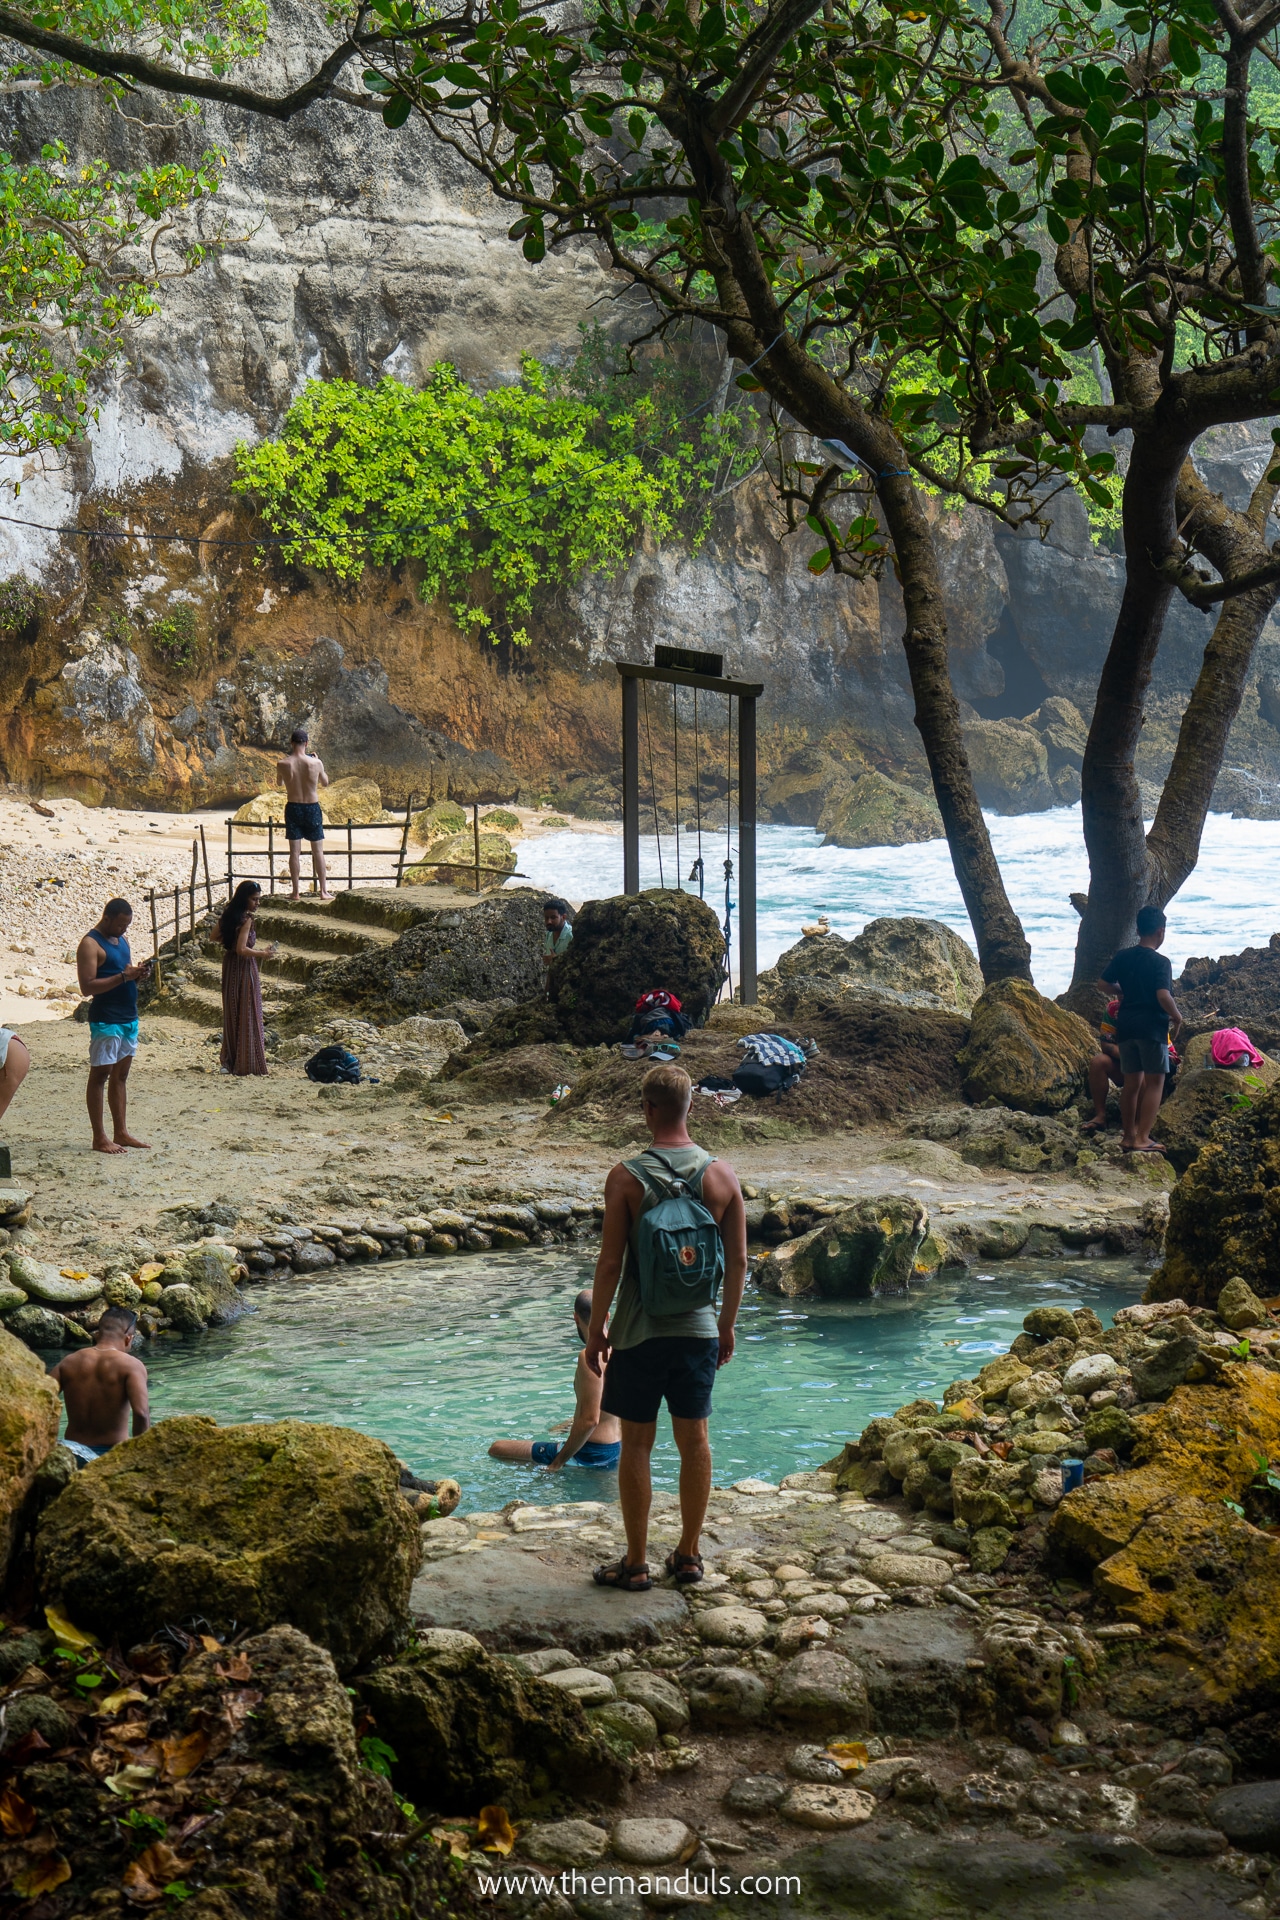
[{"x": 165, "y": 671}]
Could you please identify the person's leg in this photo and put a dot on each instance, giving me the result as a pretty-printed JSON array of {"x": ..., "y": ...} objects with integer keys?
[
  {"x": 117, "y": 1101},
  {"x": 1148, "y": 1107},
  {"x": 319, "y": 869},
  {"x": 14, "y": 1072},
  {"x": 98, "y": 1077},
  {"x": 1129, "y": 1093},
  {"x": 295, "y": 868},
  {"x": 511, "y": 1450},
  {"x": 635, "y": 1488},
  {"x": 695, "y": 1480},
  {"x": 1099, "y": 1081}
]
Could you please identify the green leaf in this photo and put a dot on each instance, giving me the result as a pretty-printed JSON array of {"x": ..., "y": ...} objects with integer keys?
[
  {"x": 396, "y": 111},
  {"x": 820, "y": 561}
]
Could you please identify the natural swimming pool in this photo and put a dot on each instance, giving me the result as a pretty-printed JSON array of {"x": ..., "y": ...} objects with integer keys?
[{"x": 438, "y": 1359}]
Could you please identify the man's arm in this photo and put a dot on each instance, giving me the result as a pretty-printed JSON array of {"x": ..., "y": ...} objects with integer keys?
[
  {"x": 1170, "y": 1006},
  {"x": 321, "y": 775},
  {"x": 586, "y": 1417},
  {"x": 88, "y": 954},
  {"x": 136, "y": 1388},
  {"x": 282, "y": 778},
  {"x": 733, "y": 1232},
  {"x": 613, "y": 1247}
]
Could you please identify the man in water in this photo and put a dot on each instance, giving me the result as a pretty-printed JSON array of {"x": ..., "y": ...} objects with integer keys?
[
  {"x": 101, "y": 1386},
  {"x": 108, "y": 976},
  {"x": 673, "y": 1357},
  {"x": 302, "y": 775},
  {"x": 1143, "y": 978},
  {"x": 558, "y": 936},
  {"x": 592, "y": 1436}
]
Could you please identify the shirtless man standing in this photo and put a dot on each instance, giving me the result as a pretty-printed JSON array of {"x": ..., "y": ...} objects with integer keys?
[
  {"x": 302, "y": 775},
  {"x": 101, "y": 1385}
]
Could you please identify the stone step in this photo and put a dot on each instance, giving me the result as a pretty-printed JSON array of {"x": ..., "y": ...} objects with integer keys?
[
  {"x": 291, "y": 963},
  {"x": 318, "y": 933},
  {"x": 208, "y": 973}
]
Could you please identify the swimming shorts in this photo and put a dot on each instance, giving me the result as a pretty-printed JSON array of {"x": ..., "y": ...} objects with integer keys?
[
  {"x": 592, "y": 1453},
  {"x": 112, "y": 1042},
  {"x": 1143, "y": 1056},
  {"x": 6, "y": 1035},
  {"x": 84, "y": 1453},
  {"x": 679, "y": 1369},
  {"x": 303, "y": 820}
]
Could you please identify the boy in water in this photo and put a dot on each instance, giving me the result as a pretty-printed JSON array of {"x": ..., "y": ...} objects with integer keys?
[
  {"x": 594, "y": 1439},
  {"x": 101, "y": 1385}
]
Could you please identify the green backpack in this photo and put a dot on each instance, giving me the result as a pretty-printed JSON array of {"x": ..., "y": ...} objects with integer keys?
[{"x": 676, "y": 1243}]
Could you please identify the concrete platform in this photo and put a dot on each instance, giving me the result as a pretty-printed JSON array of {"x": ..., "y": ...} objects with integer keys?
[{"x": 513, "y": 1600}]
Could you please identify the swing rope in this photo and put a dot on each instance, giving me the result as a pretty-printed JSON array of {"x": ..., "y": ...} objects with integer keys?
[
  {"x": 653, "y": 790},
  {"x": 675, "y": 750},
  {"x": 728, "y": 857},
  {"x": 697, "y": 871}
]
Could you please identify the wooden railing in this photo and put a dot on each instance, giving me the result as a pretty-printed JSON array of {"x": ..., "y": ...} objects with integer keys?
[
  {"x": 169, "y": 910},
  {"x": 342, "y": 855}
]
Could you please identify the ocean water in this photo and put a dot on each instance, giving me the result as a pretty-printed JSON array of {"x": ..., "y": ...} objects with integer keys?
[
  {"x": 1228, "y": 903},
  {"x": 439, "y": 1358}
]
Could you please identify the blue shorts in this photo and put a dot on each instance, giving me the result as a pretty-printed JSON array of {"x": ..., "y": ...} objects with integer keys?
[
  {"x": 592, "y": 1453},
  {"x": 303, "y": 820}
]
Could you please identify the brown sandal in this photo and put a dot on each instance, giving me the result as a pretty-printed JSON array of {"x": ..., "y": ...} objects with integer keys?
[
  {"x": 686, "y": 1567},
  {"x": 626, "y": 1579}
]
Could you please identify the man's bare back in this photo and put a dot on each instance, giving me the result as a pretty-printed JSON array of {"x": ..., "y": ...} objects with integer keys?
[
  {"x": 101, "y": 1385},
  {"x": 302, "y": 775}
]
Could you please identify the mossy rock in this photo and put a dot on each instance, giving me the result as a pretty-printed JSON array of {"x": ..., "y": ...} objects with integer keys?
[
  {"x": 1025, "y": 1051},
  {"x": 471, "y": 1730},
  {"x": 437, "y": 822},
  {"x": 1223, "y": 1212},
  {"x": 245, "y": 1527},
  {"x": 29, "y": 1408},
  {"x": 626, "y": 945},
  {"x": 458, "y": 851},
  {"x": 1201, "y": 1097},
  {"x": 869, "y": 1248},
  {"x": 501, "y": 820},
  {"x": 875, "y": 811}
]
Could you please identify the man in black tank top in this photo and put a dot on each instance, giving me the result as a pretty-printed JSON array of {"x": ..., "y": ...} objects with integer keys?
[{"x": 108, "y": 977}]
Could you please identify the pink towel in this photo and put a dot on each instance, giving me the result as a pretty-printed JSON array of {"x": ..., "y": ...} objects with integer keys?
[{"x": 1230, "y": 1047}]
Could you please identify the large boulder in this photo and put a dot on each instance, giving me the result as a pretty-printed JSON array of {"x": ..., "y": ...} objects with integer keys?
[
  {"x": 874, "y": 811},
  {"x": 48, "y": 1286},
  {"x": 355, "y": 799},
  {"x": 471, "y": 1730},
  {"x": 869, "y": 1248},
  {"x": 1223, "y": 1211},
  {"x": 907, "y": 962},
  {"x": 625, "y": 945},
  {"x": 445, "y": 858},
  {"x": 241, "y": 1526},
  {"x": 1170, "y": 1550},
  {"x": 1062, "y": 728},
  {"x": 1010, "y": 766},
  {"x": 209, "y": 1273},
  {"x": 1024, "y": 1051},
  {"x": 1236, "y": 990},
  {"x": 29, "y": 1409},
  {"x": 1000, "y": 1137},
  {"x": 491, "y": 950},
  {"x": 1201, "y": 1097},
  {"x": 799, "y": 793}
]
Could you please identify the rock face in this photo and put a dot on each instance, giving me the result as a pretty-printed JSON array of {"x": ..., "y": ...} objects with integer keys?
[
  {"x": 1238, "y": 990},
  {"x": 906, "y": 962},
  {"x": 255, "y": 1525},
  {"x": 29, "y": 1409},
  {"x": 1201, "y": 1097},
  {"x": 1024, "y": 1051},
  {"x": 1010, "y": 766},
  {"x": 870, "y": 1248},
  {"x": 471, "y": 1730},
  {"x": 489, "y": 951},
  {"x": 875, "y": 811},
  {"x": 1168, "y": 1553},
  {"x": 626, "y": 945},
  {"x": 1222, "y": 1212}
]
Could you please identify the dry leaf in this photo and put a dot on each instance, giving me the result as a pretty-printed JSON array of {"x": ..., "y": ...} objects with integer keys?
[
  {"x": 495, "y": 1831},
  {"x": 456, "y": 1839},
  {"x": 129, "y": 1780},
  {"x": 182, "y": 1757},
  {"x": 122, "y": 1697},
  {"x": 127, "y": 1733},
  {"x": 849, "y": 1755},
  {"x": 17, "y": 1816},
  {"x": 42, "y": 1876},
  {"x": 196, "y": 1824},
  {"x": 69, "y": 1635},
  {"x": 209, "y": 1644},
  {"x": 236, "y": 1668}
]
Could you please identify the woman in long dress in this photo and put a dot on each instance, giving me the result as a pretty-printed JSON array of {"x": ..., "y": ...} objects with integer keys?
[{"x": 244, "y": 1048}]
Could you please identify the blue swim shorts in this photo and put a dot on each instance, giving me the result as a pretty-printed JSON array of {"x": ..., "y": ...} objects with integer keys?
[
  {"x": 592, "y": 1453},
  {"x": 303, "y": 820}
]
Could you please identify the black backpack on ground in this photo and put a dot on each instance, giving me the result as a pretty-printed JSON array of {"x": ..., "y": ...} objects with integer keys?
[
  {"x": 334, "y": 1066},
  {"x": 760, "y": 1078}
]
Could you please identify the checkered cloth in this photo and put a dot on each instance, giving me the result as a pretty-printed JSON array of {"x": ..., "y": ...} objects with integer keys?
[{"x": 771, "y": 1050}]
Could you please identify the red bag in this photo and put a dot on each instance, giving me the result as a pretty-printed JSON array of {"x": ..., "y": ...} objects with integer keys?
[{"x": 658, "y": 1000}]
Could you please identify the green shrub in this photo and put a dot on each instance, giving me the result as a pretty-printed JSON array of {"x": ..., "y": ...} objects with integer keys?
[
  {"x": 19, "y": 603},
  {"x": 175, "y": 637}
]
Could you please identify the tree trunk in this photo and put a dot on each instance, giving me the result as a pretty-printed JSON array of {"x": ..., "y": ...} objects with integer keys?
[
  {"x": 1110, "y": 802},
  {"x": 1235, "y": 543}
]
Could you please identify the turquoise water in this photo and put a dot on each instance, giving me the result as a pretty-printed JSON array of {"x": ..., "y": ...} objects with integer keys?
[
  {"x": 1228, "y": 903},
  {"x": 438, "y": 1360}
]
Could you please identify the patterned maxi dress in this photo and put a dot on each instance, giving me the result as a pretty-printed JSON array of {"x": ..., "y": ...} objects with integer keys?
[{"x": 243, "y": 1047}]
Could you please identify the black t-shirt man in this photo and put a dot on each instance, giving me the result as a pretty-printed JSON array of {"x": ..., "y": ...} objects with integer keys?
[{"x": 1141, "y": 974}]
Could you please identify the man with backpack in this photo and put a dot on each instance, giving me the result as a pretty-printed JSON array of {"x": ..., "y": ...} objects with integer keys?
[{"x": 674, "y": 1230}]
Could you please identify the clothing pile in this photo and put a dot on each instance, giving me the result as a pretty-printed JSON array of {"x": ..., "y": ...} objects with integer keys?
[
  {"x": 771, "y": 1065},
  {"x": 658, "y": 1025}
]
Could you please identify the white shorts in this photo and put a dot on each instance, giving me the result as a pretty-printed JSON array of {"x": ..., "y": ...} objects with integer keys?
[
  {"x": 6, "y": 1035},
  {"x": 107, "y": 1049}
]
